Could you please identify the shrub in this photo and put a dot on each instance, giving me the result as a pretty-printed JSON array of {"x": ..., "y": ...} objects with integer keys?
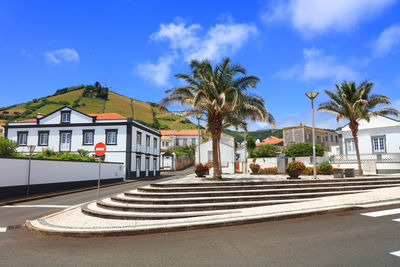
[
  {"x": 303, "y": 150},
  {"x": 296, "y": 165},
  {"x": 8, "y": 148},
  {"x": 83, "y": 153},
  {"x": 273, "y": 170},
  {"x": 325, "y": 168},
  {"x": 309, "y": 171},
  {"x": 48, "y": 152},
  {"x": 264, "y": 151}
]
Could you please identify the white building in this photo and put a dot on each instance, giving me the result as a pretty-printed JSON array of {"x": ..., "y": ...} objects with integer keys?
[
  {"x": 66, "y": 129},
  {"x": 174, "y": 138},
  {"x": 378, "y": 136},
  {"x": 227, "y": 149}
]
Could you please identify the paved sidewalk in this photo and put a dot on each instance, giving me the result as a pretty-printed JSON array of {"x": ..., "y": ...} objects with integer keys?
[{"x": 72, "y": 222}]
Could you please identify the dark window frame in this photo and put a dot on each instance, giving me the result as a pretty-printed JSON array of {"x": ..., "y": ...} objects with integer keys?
[
  {"x": 83, "y": 137},
  {"x": 155, "y": 143},
  {"x": 384, "y": 144},
  {"x": 116, "y": 137},
  {"x": 138, "y": 140},
  {"x": 65, "y": 112},
  {"x": 48, "y": 136},
  {"x": 18, "y": 137}
]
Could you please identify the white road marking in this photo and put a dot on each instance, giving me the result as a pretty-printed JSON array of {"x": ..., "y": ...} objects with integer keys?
[
  {"x": 35, "y": 206},
  {"x": 3, "y": 229},
  {"x": 395, "y": 253},
  {"x": 381, "y": 213}
]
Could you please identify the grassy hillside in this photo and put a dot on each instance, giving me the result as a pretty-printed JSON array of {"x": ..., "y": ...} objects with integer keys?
[{"x": 89, "y": 99}]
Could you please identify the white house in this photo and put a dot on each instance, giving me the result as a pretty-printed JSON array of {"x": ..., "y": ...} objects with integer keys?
[
  {"x": 184, "y": 137},
  {"x": 66, "y": 129},
  {"x": 378, "y": 136},
  {"x": 227, "y": 149}
]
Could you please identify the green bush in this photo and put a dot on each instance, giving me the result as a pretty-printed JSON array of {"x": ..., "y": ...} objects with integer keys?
[
  {"x": 325, "y": 168},
  {"x": 83, "y": 152},
  {"x": 8, "y": 148},
  {"x": 303, "y": 150},
  {"x": 264, "y": 151}
]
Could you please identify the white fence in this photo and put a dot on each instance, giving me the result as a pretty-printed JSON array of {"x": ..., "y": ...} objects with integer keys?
[
  {"x": 386, "y": 157},
  {"x": 14, "y": 172}
]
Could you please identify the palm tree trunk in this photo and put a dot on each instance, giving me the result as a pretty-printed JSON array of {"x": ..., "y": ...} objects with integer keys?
[
  {"x": 354, "y": 129},
  {"x": 216, "y": 162}
]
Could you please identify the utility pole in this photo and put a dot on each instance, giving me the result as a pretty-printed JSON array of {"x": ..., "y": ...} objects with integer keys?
[{"x": 198, "y": 116}]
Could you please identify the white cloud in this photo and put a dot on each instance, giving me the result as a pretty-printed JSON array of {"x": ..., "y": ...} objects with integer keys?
[
  {"x": 157, "y": 74},
  {"x": 387, "y": 40},
  {"x": 317, "y": 66},
  {"x": 65, "y": 55},
  {"x": 318, "y": 16},
  {"x": 25, "y": 53},
  {"x": 220, "y": 40},
  {"x": 187, "y": 42}
]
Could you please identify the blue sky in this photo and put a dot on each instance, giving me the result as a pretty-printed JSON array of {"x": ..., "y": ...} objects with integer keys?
[{"x": 137, "y": 46}]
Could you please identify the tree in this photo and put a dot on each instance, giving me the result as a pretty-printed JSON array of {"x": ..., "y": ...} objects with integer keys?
[
  {"x": 221, "y": 96},
  {"x": 304, "y": 150},
  {"x": 250, "y": 144},
  {"x": 355, "y": 104}
]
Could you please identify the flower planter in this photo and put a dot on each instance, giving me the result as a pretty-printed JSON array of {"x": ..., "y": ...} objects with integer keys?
[
  {"x": 294, "y": 174},
  {"x": 255, "y": 170},
  {"x": 200, "y": 173}
]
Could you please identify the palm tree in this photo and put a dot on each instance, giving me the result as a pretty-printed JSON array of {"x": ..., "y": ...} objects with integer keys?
[
  {"x": 355, "y": 104},
  {"x": 220, "y": 96}
]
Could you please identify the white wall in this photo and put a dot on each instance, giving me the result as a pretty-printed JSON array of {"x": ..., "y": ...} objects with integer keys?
[{"x": 15, "y": 171}]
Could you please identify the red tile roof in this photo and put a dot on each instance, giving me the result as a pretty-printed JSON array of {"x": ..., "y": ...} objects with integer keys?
[
  {"x": 180, "y": 132},
  {"x": 270, "y": 140},
  {"x": 108, "y": 116},
  {"x": 30, "y": 120}
]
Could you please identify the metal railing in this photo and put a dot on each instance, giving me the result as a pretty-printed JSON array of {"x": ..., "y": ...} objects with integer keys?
[{"x": 386, "y": 157}]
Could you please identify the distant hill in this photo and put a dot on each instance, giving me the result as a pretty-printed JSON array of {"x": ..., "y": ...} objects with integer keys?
[
  {"x": 96, "y": 99},
  {"x": 260, "y": 134}
]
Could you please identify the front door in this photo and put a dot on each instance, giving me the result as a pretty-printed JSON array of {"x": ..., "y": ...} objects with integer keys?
[
  {"x": 65, "y": 142},
  {"x": 147, "y": 166},
  {"x": 138, "y": 162},
  {"x": 154, "y": 166}
]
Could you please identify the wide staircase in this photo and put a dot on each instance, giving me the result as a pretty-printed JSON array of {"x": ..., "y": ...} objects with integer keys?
[{"x": 160, "y": 201}]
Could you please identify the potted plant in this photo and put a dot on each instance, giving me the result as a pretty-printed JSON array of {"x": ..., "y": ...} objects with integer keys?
[
  {"x": 200, "y": 170},
  {"x": 294, "y": 168},
  {"x": 254, "y": 168}
]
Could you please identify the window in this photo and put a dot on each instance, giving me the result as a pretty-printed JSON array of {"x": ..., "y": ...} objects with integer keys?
[
  {"x": 155, "y": 143},
  {"x": 65, "y": 116},
  {"x": 331, "y": 138},
  {"x": 193, "y": 141},
  {"x": 139, "y": 138},
  {"x": 185, "y": 142},
  {"x": 350, "y": 146},
  {"x": 210, "y": 156},
  {"x": 378, "y": 144},
  {"x": 166, "y": 144},
  {"x": 336, "y": 139},
  {"x": 88, "y": 137},
  {"x": 111, "y": 137},
  {"x": 148, "y": 140},
  {"x": 43, "y": 138},
  {"x": 22, "y": 138},
  {"x": 177, "y": 142},
  {"x": 318, "y": 139}
]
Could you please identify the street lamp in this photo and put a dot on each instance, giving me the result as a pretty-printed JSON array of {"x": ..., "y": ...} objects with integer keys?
[
  {"x": 312, "y": 96},
  {"x": 198, "y": 116}
]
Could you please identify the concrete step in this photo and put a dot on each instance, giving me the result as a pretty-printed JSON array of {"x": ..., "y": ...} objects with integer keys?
[
  {"x": 193, "y": 188},
  {"x": 178, "y": 208},
  {"x": 161, "y": 195},
  {"x": 93, "y": 210},
  {"x": 222, "y": 199},
  {"x": 240, "y": 183}
]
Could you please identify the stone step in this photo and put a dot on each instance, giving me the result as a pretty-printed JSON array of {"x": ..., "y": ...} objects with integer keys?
[
  {"x": 221, "y": 199},
  {"x": 93, "y": 210},
  {"x": 138, "y": 194},
  {"x": 193, "y": 188},
  {"x": 110, "y": 204},
  {"x": 240, "y": 183}
]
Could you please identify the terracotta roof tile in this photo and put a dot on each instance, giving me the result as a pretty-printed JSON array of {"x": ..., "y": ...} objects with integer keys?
[
  {"x": 180, "y": 132},
  {"x": 108, "y": 116},
  {"x": 30, "y": 120},
  {"x": 270, "y": 140}
]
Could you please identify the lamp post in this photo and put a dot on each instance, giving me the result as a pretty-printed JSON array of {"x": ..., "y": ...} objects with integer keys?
[
  {"x": 245, "y": 153},
  {"x": 312, "y": 96},
  {"x": 198, "y": 116}
]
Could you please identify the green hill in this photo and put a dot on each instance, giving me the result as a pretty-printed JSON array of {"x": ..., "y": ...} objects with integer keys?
[{"x": 96, "y": 99}]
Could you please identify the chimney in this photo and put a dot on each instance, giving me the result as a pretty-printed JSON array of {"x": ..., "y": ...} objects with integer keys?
[{"x": 40, "y": 115}]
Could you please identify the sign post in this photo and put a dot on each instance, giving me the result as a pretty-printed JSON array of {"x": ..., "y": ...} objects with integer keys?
[
  {"x": 31, "y": 150},
  {"x": 99, "y": 150}
]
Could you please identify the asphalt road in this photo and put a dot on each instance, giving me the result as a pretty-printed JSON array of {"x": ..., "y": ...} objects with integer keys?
[{"x": 341, "y": 239}]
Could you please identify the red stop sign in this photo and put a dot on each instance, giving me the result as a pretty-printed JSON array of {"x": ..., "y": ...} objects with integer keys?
[{"x": 100, "y": 149}]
